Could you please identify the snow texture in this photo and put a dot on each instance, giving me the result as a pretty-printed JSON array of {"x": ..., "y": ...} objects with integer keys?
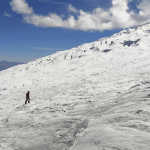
[{"x": 92, "y": 97}]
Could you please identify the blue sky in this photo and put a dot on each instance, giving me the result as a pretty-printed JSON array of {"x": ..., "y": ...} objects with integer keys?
[{"x": 31, "y": 29}]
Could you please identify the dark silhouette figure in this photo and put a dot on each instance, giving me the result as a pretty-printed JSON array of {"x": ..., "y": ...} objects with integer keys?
[{"x": 27, "y": 97}]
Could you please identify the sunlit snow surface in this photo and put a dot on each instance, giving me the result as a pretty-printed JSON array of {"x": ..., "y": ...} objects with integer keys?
[{"x": 93, "y": 97}]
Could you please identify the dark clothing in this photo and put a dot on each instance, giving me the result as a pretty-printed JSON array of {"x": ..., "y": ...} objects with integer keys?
[
  {"x": 27, "y": 95},
  {"x": 27, "y": 98}
]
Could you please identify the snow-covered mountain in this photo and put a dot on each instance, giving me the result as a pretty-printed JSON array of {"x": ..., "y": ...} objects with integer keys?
[{"x": 91, "y": 97}]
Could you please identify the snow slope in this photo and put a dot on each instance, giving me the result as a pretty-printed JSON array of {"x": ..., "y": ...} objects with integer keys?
[{"x": 92, "y": 97}]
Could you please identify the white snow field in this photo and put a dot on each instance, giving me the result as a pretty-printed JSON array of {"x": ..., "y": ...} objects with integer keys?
[{"x": 92, "y": 97}]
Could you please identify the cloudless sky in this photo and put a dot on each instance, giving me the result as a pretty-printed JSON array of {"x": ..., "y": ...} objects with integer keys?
[{"x": 23, "y": 42}]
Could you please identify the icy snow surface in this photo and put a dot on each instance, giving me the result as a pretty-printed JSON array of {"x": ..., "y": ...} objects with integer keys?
[{"x": 92, "y": 97}]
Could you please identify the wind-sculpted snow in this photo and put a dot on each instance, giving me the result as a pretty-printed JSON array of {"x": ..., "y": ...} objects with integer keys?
[{"x": 92, "y": 97}]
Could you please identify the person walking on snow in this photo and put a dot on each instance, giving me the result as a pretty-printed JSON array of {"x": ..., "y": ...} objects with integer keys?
[{"x": 27, "y": 97}]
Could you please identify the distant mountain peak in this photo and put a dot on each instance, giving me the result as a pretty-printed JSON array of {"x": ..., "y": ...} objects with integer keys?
[{"x": 6, "y": 64}]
